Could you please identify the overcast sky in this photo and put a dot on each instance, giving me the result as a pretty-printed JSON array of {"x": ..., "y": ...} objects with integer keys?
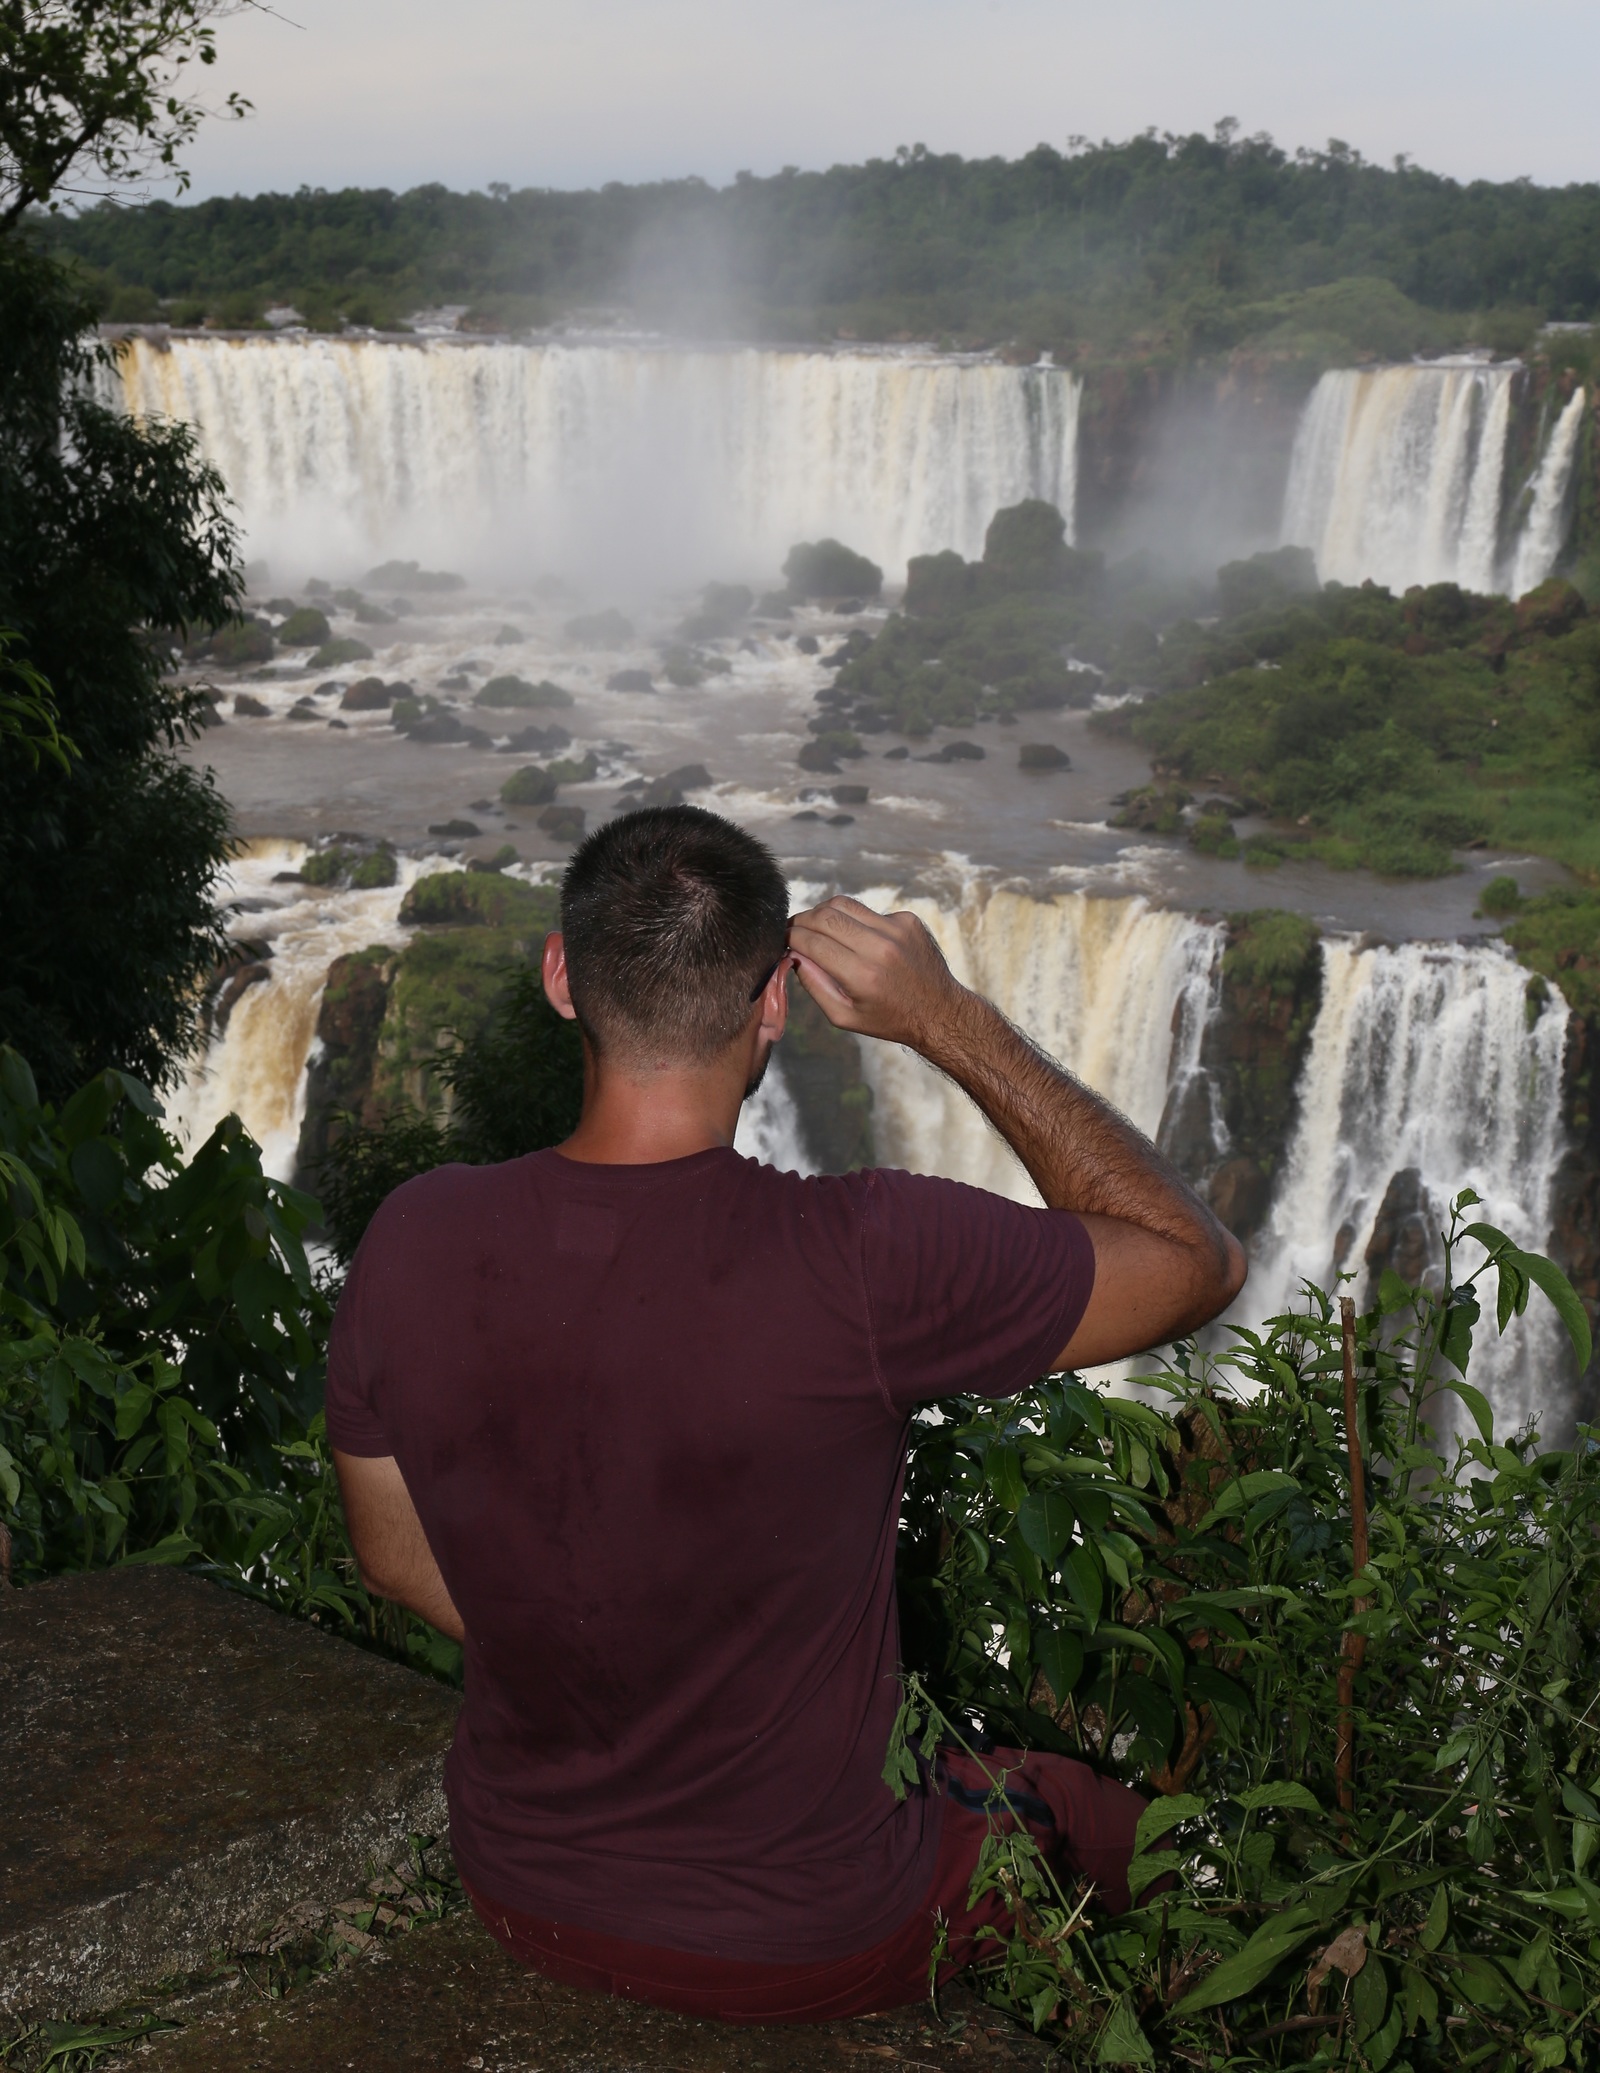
[{"x": 569, "y": 93}]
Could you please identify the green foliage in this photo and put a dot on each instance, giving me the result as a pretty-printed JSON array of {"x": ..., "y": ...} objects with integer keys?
[
  {"x": 515, "y": 1085},
  {"x": 110, "y": 532},
  {"x": 90, "y": 87},
  {"x": 1557, "y": 935},
  {"x": 1500, "y": 898},
  {"x": 827, "y": 568},
  {"x": 28, "y": 714},
  {"x": 1271, "y": 948},
  {"x": 162, "y": 1341},
  {"x": 1174, "y": 1596},
  {"x": 1387, "y": 732},
  {"x": 1157, "y": 247}
]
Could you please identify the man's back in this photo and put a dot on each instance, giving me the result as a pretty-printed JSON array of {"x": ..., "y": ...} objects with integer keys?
[{"x": 652, "y": 1420}]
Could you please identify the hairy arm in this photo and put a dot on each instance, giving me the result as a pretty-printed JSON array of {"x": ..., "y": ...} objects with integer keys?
[
  {"x": 1163, "y": 1263},
  {"x": 392, "y": 1551}
]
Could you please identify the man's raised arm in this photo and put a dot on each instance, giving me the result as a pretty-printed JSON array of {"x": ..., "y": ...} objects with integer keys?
[{"x": 1164, "y": 1265}]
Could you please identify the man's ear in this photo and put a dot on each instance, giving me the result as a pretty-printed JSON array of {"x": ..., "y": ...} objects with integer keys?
[
  {"x": 556, "y": 990},
  {"x": 775, "y": 1004}
]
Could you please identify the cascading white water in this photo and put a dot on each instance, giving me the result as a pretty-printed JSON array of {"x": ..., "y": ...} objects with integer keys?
[
  {"x": 1423, "y": 1056},
  {"x": 1397, "y": 474},
  {"x": 255, "y": 1068},
  {"x": 1550, "y": 504},
  {"x": 613, "y": 459},
  {"x": 1118, "y": 990}
]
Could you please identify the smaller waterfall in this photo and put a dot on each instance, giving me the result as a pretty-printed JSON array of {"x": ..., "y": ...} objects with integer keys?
[
  {"x": 769, "y": 1125},
  {"x": 255, "y": 1067},
  {"x": 1397, "y": 474},
  {"x": 1423, "y": 1057},
  {"x": 1550, "y": 508},
  {"x": 1117, "y": 990}
]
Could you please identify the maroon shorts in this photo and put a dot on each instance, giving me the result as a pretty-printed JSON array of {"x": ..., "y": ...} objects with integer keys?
[{"x": 1082, "y": 1822}]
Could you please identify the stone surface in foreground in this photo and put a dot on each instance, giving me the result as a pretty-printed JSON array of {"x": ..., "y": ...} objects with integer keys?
[
  {"x": 447, "y": 1996},
  {"x": 177, "y": 1766}
]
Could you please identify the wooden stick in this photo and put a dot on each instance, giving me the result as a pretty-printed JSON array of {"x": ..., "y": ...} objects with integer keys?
[{"x": 1355, "y": 1645}]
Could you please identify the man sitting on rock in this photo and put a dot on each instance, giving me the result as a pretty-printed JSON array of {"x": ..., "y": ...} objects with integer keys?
[{"x": 628, "y": 1418}]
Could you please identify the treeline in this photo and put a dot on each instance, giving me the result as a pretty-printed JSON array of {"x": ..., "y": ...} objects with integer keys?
[{"x": 1158, "y": 246}]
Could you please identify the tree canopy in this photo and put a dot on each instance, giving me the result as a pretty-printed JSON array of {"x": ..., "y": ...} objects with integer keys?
[
  {"x": 1159, "y": 242},
  {"x": 90, "y": 88}
]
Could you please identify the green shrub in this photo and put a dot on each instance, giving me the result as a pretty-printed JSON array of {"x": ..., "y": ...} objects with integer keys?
[
  {"x": 1178, "y": 1599},
  {"x": 1500, "y": 897}
]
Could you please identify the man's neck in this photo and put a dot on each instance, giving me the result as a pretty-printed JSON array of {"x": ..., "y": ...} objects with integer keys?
[{"x": 647, "y": 1118}]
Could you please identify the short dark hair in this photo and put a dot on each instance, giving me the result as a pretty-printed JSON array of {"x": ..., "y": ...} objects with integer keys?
[{"x": 671, "y": 915}]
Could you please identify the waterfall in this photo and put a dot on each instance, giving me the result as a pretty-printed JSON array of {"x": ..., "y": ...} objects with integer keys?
[
  {"x": 1425, "y": 1060},
  {"x": 1397, "y": 474},
  {"x": 1550, "y": 506},
  {"x": 623, "y": 460},
  {"x": 1118, "y": 990},
  {"x": 255, "y": 1066},
  {"x": 1423, "y": 1057}
]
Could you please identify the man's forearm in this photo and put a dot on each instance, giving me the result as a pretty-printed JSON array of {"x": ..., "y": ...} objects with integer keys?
[{"x": 1078, "y": 1151}]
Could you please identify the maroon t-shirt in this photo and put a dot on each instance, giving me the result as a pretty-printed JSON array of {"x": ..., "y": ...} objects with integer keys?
[{"x": 653, "y": 1420}]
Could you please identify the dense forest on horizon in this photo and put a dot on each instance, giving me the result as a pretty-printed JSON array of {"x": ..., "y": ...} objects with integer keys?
[{"x": 1160, "y": 248}]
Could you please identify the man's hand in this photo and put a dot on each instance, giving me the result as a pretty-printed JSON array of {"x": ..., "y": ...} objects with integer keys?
[{"x": 881, "y": 975}]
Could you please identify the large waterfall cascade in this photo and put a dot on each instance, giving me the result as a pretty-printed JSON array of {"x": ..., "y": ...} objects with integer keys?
[
  {"x": 611, "y": 460},
  {"x": 1399, "y": 475}
]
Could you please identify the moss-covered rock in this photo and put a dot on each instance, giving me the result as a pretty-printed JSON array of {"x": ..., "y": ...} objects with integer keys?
[
  {"x": 829, "y": 569},
  {"x": 821, "y": 1067},
  {"x": 513, "y": 693},
  {"x": 1253, "y": 1052},
  {"x": 406, "y": 575},
  {"x": 305, "y": 628},
  {"x": 239, "y": 644},
  {"x": 370, "y": 695},
  {"x": 335, "y": 654},
  {"x": 340, "y": 1077},
  {"x": 452, "y": 899},
  {"x": 1151, "y": 809},
  {"x": 529, "y": 786}
]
